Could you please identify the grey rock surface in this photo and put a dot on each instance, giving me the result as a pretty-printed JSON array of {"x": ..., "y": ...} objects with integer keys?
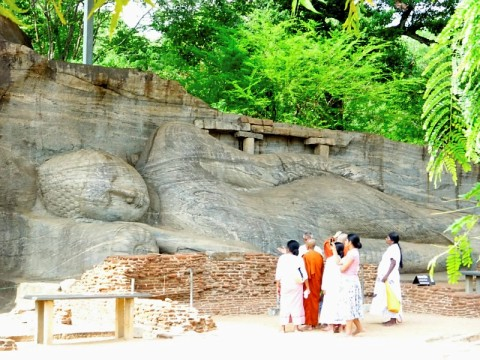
[
  {"x": 223, "y": 192},
  {"x": 18, "y": 182},
  {"x": 172, "y": 177}
]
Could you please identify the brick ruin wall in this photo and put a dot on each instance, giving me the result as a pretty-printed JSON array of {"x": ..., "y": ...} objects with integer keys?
[{"x": 243, "y": 283}]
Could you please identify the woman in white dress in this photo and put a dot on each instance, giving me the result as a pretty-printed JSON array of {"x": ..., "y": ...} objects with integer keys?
[
  {"x": 388, "y": 270},
  {"x": 290, "y": 276},
  {"x": 330, "y": 314}
]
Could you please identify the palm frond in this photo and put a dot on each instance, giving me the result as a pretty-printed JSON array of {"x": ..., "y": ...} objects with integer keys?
[{"x": 451, "y": 98}]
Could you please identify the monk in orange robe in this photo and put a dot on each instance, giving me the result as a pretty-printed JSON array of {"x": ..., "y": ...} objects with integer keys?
[
  {"x": 314, "y": 267},
  {"x": 327, "y": 248},
  {"x": 338, "y": 237}
]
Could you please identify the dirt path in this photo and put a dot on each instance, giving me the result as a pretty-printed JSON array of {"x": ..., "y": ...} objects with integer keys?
[{"x": 251, "y": 336}]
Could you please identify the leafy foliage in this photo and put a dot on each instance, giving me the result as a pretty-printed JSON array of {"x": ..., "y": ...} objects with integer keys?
[
  {"x": 353, "y": 20},
  {"x": 305, "y": 3},
  {"x": 191, "y": 25},
  {"x": 273, "y": 66},
  {"x": 451, "y": 113},
  {"x": 459, "y": 254},
  {"x": 386, "y": 19},
  {"x": 442, "y": 113},
  {"x": 128, "y": 49},
  {"x": 52, "y": 36},
  {"x": 10, "y": 9},
  {"x": 452, "y": 100}
]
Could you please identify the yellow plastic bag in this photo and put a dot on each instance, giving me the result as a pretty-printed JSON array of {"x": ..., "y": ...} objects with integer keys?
[{"x": 393, "y": 304}]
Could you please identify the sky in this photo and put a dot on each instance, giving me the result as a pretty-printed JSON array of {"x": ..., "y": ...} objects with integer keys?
[{"x": 133, "y": 12}]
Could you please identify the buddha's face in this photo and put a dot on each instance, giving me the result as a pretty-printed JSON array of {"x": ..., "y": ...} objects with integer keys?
[{"x": 93, "y": 185}]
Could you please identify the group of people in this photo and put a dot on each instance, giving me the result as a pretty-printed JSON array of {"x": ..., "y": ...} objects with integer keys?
[{"x": 320, "y": 287}]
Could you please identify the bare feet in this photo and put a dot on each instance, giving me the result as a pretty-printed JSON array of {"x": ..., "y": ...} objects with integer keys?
[
  {"x": 390, "y": 322},
  {"x": 358, "y": 331}
]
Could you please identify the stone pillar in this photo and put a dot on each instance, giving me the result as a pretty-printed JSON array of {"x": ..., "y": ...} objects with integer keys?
[
  {"x": 322, "y": 150},
  {"x": 249, "y": 145},
  {"x": 322, "y": 145},
  {"x": 248, "y": 140}
]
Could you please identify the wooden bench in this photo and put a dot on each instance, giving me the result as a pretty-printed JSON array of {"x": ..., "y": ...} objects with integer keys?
[
  {"x": 124, "y": 312},
  {"x": 471, "y": 277}
]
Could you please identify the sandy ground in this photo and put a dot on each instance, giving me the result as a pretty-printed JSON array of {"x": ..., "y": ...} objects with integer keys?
[{"x": 241, "y": 337}]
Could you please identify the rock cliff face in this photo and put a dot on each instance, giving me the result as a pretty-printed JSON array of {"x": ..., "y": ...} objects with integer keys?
[{"x": 99, "y": 161}]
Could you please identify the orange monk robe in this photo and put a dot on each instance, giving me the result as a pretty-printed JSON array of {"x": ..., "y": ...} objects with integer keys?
[
  {"x": 327, "y": 249},
  {"x": 314, "y": 266}
]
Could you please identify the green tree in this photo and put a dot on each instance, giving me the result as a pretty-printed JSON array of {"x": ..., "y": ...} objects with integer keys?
[
  {"x": 451, "y": 113},
  {"x": 412, "y": 18},
  {"x": 63, "y": 41},
  {"x": 128, "y": 49},
  {"x": 276, "y": 67},
  {"x": 387, "y": 19},
  {"x": 50, "y": 37},
  {"x": 55, "y": 38},
  {"x": 394, "y": 21},
  {"x": 192, "y": 25},
  {"x": 12, "y": 8}
]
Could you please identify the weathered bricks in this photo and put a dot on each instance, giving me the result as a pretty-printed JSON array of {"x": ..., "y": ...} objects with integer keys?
[{"x": 238, "y": 283}]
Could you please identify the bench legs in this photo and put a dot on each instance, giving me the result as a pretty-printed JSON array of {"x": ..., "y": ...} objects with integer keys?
[
  {"x": 44, "y": 333},
  {"x": 124, "y": 318}
]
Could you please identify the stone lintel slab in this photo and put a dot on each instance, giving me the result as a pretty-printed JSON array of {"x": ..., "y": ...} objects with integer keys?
[
  {"x": 246, "y": 134},
  {"x": 280, "y": 131},
  {"x": 245, "y": 126},
  {"x": 299, "y": 132},
  {"x": 220, "y": 125},
  {"x": 262, "y": 129},
  {"x": 295, "y": 130},
  {"x": 256, "y": 121},
  {"x": 245, "y": 119},
  {"x": 319, "y": 141}
]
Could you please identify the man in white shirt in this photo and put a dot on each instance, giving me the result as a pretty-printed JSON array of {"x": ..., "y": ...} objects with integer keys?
[{"x": 303, "y": 248}]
